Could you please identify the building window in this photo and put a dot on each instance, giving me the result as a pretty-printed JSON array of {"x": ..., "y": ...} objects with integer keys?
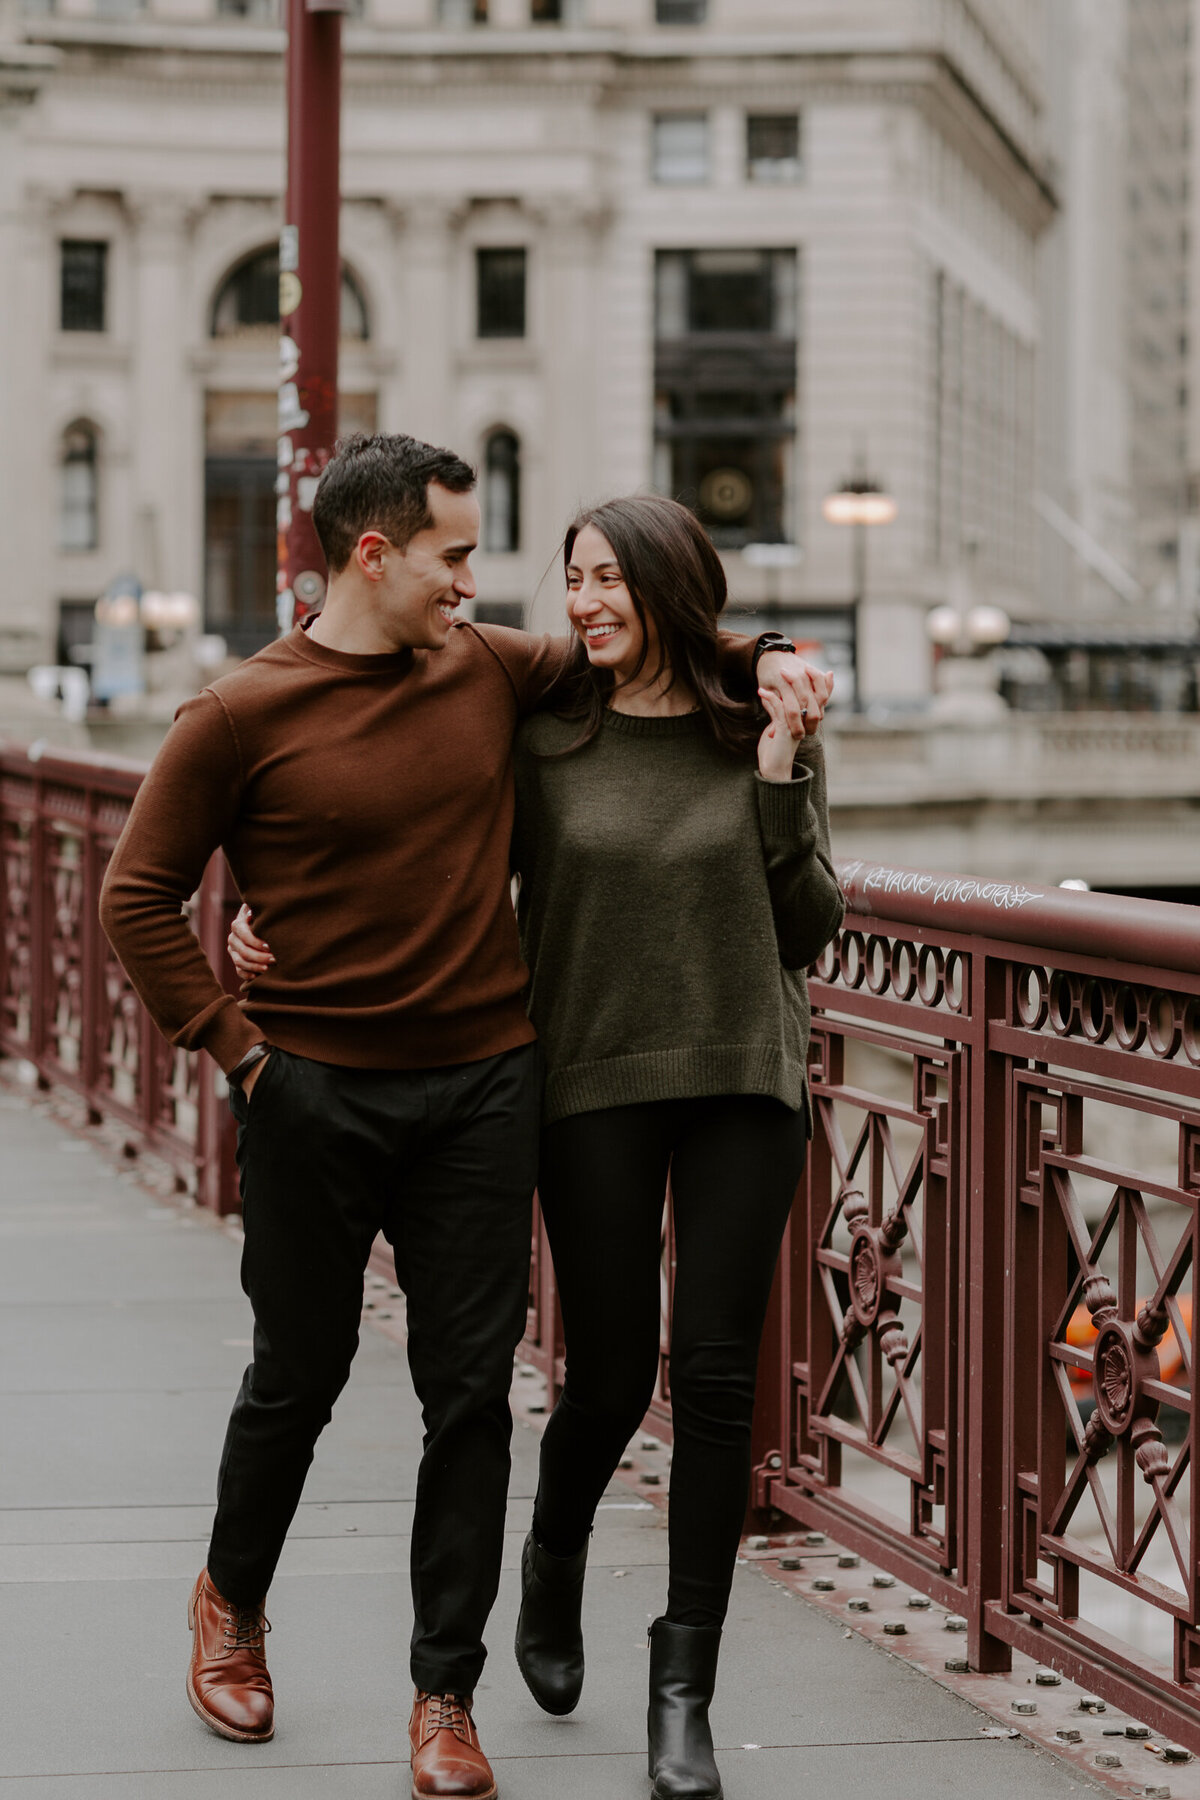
[
  {"x": 773, "y": 147},
  {"x": 556, "y": 12},
  {"x": 248, "y": 299},
  {"x": 680, "y": 12},
  {"x": 78, "y": 501},
  {"x": 502, "y": 492},
  {"x": 700, "y": 291},
  {"x": 680, "y": 148},
  {"x": 500, "y": 293},
  {"x": 463, "y": 12},
  {"x": 84, "y": 284},
  {"x": 265, "y": 12},
  {"x": 725, "y": 380}
]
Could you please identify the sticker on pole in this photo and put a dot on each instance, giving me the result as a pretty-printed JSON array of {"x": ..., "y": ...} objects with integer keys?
[{"x": 290, "y": 293}]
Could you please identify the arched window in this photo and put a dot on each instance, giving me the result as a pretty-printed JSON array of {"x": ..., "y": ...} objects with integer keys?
[
  {"x": 248, "y": 298},
  {"x": 502, "y": 492},
  {"x": 78, "y": 489}
]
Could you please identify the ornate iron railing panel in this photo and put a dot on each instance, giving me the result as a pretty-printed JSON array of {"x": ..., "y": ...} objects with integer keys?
[{"x": 67, "y": 1005}]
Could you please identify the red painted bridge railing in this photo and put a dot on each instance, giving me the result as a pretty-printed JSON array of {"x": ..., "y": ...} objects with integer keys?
[
  {"x": 65, "y": 1003},
  {"x": 978, "y": 1364}
]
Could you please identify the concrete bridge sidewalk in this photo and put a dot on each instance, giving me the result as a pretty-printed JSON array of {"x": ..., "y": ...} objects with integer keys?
[{"x": 123, "y": 1334}]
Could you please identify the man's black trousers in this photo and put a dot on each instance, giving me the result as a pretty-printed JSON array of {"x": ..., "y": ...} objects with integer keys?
[{"x": 444, "y": 1162}]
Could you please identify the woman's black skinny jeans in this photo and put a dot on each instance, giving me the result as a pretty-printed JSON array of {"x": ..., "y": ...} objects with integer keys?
[{"x": 734, "y": 1162}]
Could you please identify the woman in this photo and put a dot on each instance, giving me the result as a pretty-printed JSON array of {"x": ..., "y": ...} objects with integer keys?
[{"x": 671, "y": 895}]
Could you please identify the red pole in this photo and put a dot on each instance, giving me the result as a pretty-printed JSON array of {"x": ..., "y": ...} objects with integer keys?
[{"x": 309, "y": 296}]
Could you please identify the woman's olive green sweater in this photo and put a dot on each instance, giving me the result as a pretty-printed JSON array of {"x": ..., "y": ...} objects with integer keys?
[{"x": 670, "y": 900}]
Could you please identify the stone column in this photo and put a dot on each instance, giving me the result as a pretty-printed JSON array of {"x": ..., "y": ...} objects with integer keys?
[
  {"x": 563, "y": 471},
  {"x": 427, "y": 261},
  {"x": 27, "y": 609},
  {"x": 167, "y": 496}
]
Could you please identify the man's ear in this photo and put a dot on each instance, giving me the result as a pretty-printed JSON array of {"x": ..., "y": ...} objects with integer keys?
[{"x": 370, "y": 554}]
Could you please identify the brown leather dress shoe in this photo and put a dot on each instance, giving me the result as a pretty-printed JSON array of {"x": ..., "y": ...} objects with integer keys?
[
  {"x": 227, "y": 1681},
  {"x": 446, "y": 1758}
]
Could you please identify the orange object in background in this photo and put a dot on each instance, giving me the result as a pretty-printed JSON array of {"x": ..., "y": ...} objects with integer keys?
[{"x": 1082, "y": 1334}]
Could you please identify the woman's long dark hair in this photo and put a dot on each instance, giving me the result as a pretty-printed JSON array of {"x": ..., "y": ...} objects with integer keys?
[{"x": 675, "y": 578}]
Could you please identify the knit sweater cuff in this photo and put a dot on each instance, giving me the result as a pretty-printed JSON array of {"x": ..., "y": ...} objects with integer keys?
[
  {"x": 785, "y": 810},
  {"x": 223, "y": 1030}
]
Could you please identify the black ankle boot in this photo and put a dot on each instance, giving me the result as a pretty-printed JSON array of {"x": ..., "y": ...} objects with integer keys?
[
  {"x": 549, "y": 1632},
  {"x": 683, "y": 1674}
]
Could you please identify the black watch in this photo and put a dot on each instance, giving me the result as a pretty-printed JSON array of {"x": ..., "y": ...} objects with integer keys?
[
  {"x": 255, "y": 1054},
  {"x": 770, "y": 640}
]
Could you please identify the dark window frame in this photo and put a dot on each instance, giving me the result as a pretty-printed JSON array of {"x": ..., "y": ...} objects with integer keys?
[
  {"x": 83, "y": 291},
  {"x": 681, "y": 12},
  {"x": 80, "y": 449},
  {"x": 501, "y": 296},
  {"x": 502, "y": 462},
  {"x": 788, "y": 166}
]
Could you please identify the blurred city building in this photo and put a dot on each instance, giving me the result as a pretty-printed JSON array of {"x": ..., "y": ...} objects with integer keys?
[
  {"x": 734, "y": 249},
  {"x": 799, "y": 263}
]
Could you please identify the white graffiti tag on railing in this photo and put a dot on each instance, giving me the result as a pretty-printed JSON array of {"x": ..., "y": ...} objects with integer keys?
[{"x": 878, "y": 878}]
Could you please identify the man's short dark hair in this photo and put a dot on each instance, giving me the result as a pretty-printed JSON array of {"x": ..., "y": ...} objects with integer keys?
[{"x": 381, "y": 484}]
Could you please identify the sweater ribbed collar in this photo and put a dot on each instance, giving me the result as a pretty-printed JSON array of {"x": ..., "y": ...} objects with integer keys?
[
  {"x": 392, "y": 662},
  {"x": 651, "y": 725}
]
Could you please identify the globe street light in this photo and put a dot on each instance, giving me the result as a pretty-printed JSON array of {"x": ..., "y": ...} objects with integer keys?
[{"x": 859, "y": 503}]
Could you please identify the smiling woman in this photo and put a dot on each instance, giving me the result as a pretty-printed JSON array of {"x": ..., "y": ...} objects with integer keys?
[{"x": 651, "y": 832}]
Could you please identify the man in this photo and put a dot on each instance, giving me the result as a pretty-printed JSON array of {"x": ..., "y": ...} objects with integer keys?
[{"x": 358, "y": 776}]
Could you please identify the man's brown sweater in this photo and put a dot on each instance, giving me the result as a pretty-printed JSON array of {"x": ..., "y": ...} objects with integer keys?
[{"x": 365, "y": 804}]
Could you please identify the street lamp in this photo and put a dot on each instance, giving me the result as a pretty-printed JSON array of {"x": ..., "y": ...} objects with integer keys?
[{"x": 859, "y": 503}]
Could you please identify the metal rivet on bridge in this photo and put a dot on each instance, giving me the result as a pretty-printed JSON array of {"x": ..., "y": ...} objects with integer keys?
[
  {"x": 957, "y": 1665},
  {"x": 919, "y": 1602},
  {"x": 823, "y": 1585},
  {"x": 848, "y": 1560},
  {"x": 955, "y": 1622},
  {"x": 790, "y": 1562},
  {"x": 651, "y": 1480},
  {"x": 1048, "y": 1678},
  {"x": 1137, "y": 1731},
  {"x": 1024, "y": 1706},
  {"x": 1069, "y": 1734},
  {"x": 1161, "y": 1792},
  {"x": 1107, "y": 1759},
  {"x": 858, "y": 1604},
  {"x": 883, "y": 1581},
  {"x": 895, "y": 1628},
  {"x": 1092, "y": 1703},
  {"x": 649, "y": 1443},
  {"x": 814, "y": 1537},
  {"x": 626, "y": 1462},
  {"x": 1175, "y": 1753},
  {"x": 758, "y": 1543},
  {"x": 536, "y": 1407}
]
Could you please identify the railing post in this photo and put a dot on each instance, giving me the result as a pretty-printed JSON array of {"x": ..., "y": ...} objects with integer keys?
[
  {"x": 768, "y": 1432},
  {"x": 987, "y": 1376}
]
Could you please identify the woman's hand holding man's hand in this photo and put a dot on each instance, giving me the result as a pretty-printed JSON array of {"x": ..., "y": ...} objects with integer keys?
[
  {"x": 777, "y": 745},
  {"x": 249, "y": 955}
]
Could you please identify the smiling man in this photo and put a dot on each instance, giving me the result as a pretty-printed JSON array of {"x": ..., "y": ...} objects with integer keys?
[{"x": 358, "y": 776}]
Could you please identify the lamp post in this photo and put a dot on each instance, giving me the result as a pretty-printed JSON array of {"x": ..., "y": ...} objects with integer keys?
[
  {"x": 860, "y": 503},
  {"x": 310, "y": 286}
]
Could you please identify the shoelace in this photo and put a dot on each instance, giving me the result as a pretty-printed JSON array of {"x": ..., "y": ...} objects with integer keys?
[
  {"x": 447, "y": 1710},
  {"x": 248, "y": 1623}
]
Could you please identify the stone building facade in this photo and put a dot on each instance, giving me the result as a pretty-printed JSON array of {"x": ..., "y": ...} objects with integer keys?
[{"x": 729, "y": 248}]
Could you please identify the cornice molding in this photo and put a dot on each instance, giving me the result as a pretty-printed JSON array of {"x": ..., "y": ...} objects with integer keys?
[{"x": 616, "y": 71}]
